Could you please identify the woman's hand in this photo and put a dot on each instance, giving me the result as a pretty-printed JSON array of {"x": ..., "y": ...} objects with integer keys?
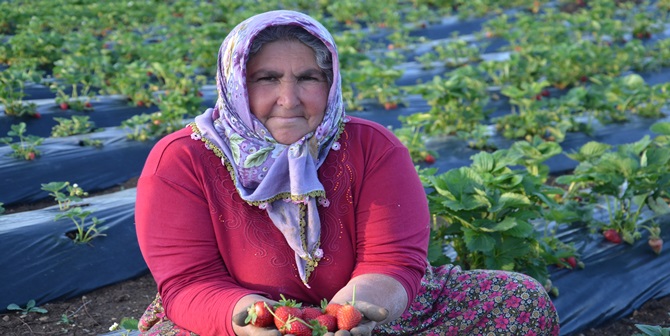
[{"x": 372, "y": 314}]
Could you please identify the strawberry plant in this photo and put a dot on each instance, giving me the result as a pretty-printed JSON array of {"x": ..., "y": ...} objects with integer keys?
[
  {"x": 457, "y": 103},
  {"x": 528, "y": 119},
  {"x": 487, "y": 212},
  {"x": 31, "y": 307},
  {"x": 629, "y": 183},
  {"x": 84, "y": 232},
  {"x": 12, "y": 85},
  {"x": 73, "y": 193},
  {"x": 415, "y": 141},
  {"x": 75, "y": 125},
  {"x": 143, "y": 127},
  {"x": 26, "y": 148}
]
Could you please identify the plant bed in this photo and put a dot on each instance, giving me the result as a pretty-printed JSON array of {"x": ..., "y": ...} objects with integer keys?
[
  {"x": 66, "y": 159},
  {"x": 51, "y": 266}
]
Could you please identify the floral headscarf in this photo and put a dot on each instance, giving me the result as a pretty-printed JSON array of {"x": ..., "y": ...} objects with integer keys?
[{"x": 282, "y": 179}]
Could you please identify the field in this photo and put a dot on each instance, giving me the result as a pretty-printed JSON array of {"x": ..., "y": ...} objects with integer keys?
[{"x": 540, "y": 130}]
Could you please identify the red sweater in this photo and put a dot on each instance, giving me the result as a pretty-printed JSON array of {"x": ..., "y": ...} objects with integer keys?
[{"x": 206, "y": 247}]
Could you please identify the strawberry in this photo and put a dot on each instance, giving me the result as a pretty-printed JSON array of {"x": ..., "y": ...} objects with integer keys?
[
  {"x": 310, "y": 313},
  {"x": 570, "y": 261},
  {"x": 332, "y": 308},
  {"x": 583, "y": 79},
  {"x": 37, "y": 115},
  {"x": 429, "y": 159},
  {"x": 545, "y": 93},
  {"x": 64, "y": 106},
  {"x": 285, "y": 310},
  {"x": 140, "y": 103},
  {"x": 30, "y": 156},
  {"x": 538, "y": 97},
  {"x": 390, "y": 106},
  {"x": 260, "y": 315},
  {"x": 88, "y": 105},
  {"x": 296, "y": 326},
  {"x": 348, "y": 316},
  {"x": 612, "y": 235},
  {"x": 656, "y": 244},
  {"x": 327, "y": 321}
]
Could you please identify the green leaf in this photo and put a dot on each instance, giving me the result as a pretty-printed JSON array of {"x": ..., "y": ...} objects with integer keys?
[
  {"x": 513, "y": 200},
  {"x": 487, "y": 225},
  {"x": 591, "y": 150},
  {"x": 39, "y": 310},
  {"x": 483, "y": 161},
  {"x": 522, "y": 229},
  {"x": 129, "y": 323},
  {"x": 661, "y": 127},
  {"x": 658, "y": 205},
  {"x": 257, "y": 158},
  {"x": 14, "y": 306},
  {"x": 477, "y": 241}
]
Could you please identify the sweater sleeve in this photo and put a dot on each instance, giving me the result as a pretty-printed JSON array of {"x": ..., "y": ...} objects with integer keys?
[
  {"x": 393, "y": 220},
  {"x": 177, "y": 240}
]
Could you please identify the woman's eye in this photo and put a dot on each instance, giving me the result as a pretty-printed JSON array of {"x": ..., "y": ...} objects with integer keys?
[
  {"x": 267, "y": 79},
  {"x": 308, "y": 78}
]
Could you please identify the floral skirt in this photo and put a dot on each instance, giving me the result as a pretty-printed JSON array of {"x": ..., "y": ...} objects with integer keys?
[{"x": 450, "y": 302}]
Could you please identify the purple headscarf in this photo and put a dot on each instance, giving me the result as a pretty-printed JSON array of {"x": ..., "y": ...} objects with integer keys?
[{"x": 282, "y": 179}]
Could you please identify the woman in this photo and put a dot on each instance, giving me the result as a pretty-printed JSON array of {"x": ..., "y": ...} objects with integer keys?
[{"x": 276, "y": 192}]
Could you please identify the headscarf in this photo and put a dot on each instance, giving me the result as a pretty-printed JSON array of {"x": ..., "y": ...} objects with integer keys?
[{"x": 282, "y": 179}]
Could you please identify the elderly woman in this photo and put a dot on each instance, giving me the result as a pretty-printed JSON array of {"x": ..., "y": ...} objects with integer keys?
[{"x": 276, "y": 191}]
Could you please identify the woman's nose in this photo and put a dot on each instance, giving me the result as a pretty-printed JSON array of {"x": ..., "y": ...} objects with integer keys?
[{"x": 288, "y": 96}]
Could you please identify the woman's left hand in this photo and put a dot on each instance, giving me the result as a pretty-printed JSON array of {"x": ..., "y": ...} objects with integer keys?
[{"x": 372, "y": 314}]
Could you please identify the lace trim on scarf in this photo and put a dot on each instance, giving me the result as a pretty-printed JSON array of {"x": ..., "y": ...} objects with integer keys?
[{"x": 196, "y": 135}]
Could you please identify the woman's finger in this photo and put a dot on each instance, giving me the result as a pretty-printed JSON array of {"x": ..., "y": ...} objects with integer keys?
[
  {"x": 240, "y": 318},
  {"x": 372, "y": 312}
]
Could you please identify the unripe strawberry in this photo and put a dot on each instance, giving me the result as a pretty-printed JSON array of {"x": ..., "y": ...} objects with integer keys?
[{"x": 656, "y": 244}]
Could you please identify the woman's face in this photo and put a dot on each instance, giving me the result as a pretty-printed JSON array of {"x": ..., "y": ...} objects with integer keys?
[{"x": 288, "y": 92}]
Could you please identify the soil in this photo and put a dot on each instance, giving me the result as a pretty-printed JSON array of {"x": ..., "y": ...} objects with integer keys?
[{"x": 94, "y": 312}]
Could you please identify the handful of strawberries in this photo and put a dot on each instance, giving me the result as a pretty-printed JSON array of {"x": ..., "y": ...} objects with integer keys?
[{"x": 290, "y": 317}]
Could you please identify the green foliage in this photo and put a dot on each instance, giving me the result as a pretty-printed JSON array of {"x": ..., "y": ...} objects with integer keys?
[
  {"x": 84, "y": 232},
  {"x": 488, "y": 213},
  {"x": 29, "y": 308},
  {"x": 73, "y": 193},
  {"x": 650, "y": 330},
  {"x": 12, "y": 85},
  {"x": 75, "y": 125},
  {"x": 628, "y": 179},
  {"x": 26, "y": 148}
]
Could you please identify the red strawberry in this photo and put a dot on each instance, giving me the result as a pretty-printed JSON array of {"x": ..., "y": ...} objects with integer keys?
[
  {"x": 333, "y": 308},
  {"x": 656, "y": 244},
  {"x": 429, "y": 159},
  {"x": 259, "y": 315},
  {"x": 545, "y": 93},
  {"x": 583, "y": 79},
  {"x": 390, "y": 106},
  {"x": 310, "y": 313},
  {"x": 64, "y": 106},
  {"x": 30, "y": 156},
  {"x": 328, "y": 321},
  {"x": 88, "y": 105},
  {"x": 286, "y": 309},
  {"x": 612, "y": 235},
  {"x": 570, "y": 261},
  {"x": 348, "y": 317},
  {"x": 37, "y": 115},
  {"x": 538, "y": 97},
  {"x": 140, "y": 103},
  {"x": 296, "y": 326}
]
